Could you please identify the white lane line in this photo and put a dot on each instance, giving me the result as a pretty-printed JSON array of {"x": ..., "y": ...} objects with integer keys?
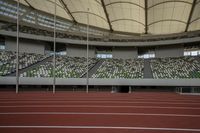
[
  {"x": 107, "y": 127},
  {"x": 95, "y": 106},
  {"x": 92, "y": 113},
  {"x": 197, "y": 103},
  {"x": 103, "y": 99}
]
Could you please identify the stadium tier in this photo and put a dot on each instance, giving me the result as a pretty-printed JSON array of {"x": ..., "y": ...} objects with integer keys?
[
  {"x": 181, "y": 67},
  {"x": 66, "y": 67},
  {"x": 8, "y": 61},
  {"x": 119, "y": 68},
  {"x": 76, "y": 67}
]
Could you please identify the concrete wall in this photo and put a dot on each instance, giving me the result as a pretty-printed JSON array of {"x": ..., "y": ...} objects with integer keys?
[
  {"x": 124, "y": 52},
  {"x": 169, "y": 51},
  {"x": 79, "y": 51},
  {"x": 82, "y": 81},
  {"x": 33, "y": 46},
  {"x": 28, "y": 46}
]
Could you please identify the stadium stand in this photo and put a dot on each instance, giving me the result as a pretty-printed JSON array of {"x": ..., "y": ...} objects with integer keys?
[
  {"x": 81, "y": 36},
  {"x": 8, "y": 61},
  {"x": 119, "y": 68},
  {"x": 181, "y": 67},
  {"x": 66, "y": 67},
  {"x": 75, "y": 67}
]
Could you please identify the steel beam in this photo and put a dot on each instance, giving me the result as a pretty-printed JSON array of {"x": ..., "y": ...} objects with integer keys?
[
  {"x": 107, "y": 16},
  {"x": 190, "y": 16}
]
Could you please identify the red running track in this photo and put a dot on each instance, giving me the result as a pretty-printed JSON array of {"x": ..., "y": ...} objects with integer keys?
[{"x": 99, "y": 112}]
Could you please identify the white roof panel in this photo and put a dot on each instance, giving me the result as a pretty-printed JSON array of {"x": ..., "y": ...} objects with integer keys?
[
  {"x": 195, "y": 20},
  {"x": 126, "y": 13},
  {"x": 23, "y": 2},
  {"x": 48, "y": 7},
  {"x": 79, "y": 9},
  {"x": 167, "y": 27},
  {"x": 168, "y": 12},
  {"x": 152, "y": 3},
  {"x": 163, "y": 16}
]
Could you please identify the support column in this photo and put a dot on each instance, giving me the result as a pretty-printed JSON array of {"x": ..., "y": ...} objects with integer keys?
[
  {"x": 17, "y": 50},
  {"x": 87, "y": 76},
  {"x": 54, "y": 50},
  {"x": 130, "y": 89}
]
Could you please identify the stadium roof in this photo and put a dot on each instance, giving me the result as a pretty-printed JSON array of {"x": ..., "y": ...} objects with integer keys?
[{"x": 134, "y": 16}]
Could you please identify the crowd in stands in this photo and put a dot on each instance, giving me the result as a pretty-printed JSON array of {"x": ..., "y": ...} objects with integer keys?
[
  {"x": 175, "y": 68},
  {"x": 8, "y": 61},
  {"x": 119, "y": 68}
]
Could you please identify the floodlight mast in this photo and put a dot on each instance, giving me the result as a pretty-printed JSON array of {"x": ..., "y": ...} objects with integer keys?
[
  {"x": 17, "y": 51},
  {"x": 54, "y": 50},
  {"x": 87, "y": 75}
]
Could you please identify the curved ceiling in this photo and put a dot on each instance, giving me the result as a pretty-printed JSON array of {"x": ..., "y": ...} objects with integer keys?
[{"x": 132, "y": 16}]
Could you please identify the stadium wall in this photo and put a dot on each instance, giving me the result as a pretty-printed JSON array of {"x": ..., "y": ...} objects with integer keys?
[
  {"x": 125, "y": 52},
  {"x": 169, "y": 51},
  {"x": 79, "y": 51},
  {"x": 28, "y": 46},
  {"x": 98, "y": 81}
]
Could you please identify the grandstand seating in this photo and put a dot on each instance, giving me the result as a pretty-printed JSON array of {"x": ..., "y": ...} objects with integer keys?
[
  {"x": 119, "y": 68},
  {"x": 8, "y": 61},
  {"x": 75, "y": 67},
  {"x": 82, "y": 36},
  {"x": 37, "y": 31},
  {"x": 173, "y": 68},
  {"x": 66, "y": 67}
]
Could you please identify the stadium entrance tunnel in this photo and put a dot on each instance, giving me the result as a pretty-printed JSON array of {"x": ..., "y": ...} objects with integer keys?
[{"x": 123, "y": 89}]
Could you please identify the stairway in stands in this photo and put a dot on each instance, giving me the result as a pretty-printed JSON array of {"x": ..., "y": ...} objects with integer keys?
[
  {"x": 49, "y": 58},
  {"x": 198, "y": 58},
  {"x": 93, "y": 70},
  {"x": 147, "y": 69}
]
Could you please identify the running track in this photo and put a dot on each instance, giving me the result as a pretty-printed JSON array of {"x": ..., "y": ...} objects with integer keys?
[{"x": 66, "y": 112}]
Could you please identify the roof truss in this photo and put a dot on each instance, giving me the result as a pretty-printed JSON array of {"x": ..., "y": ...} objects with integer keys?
[
  {"x": 68, "y": 11},
  {"x": 190, "y": 16},
  {"x": 146, "y": 16},
  {"x": 107, "y": 16}
]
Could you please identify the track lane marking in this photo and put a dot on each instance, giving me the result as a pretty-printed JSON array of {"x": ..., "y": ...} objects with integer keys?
[
  {"x": 107, "y": 127},
  {"x": 94, "y": 106},
  {"x": 92, "y": 113},
  {"x": 50, "y": 99},
  {"x": 194, "y": 103}
]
